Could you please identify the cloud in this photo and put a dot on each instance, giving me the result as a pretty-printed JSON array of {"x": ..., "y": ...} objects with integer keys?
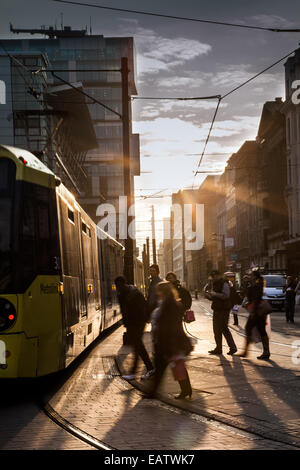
[
  {"x": 163, "y": 137},
  {"x": 236, "y": 126},
  {"x": 270, "y": 21},
  {"x": 180, "y": 82},
  {"x": 234, "y": 75},
  {"x": 158, "y": 53}
]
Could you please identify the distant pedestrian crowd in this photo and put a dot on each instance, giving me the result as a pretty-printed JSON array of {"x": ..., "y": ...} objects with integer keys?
[{"x": 167, "y": 305}]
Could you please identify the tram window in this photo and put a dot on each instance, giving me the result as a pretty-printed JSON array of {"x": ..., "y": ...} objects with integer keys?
[
  {"x": 83, "y": 227},
  {"x": 7, "y": 187},
  {"x": 28, "y": 243},
  {"x": 7, "y": 172},
  {"x": 43, "y": 221},
  {"x": 71, "y": 216}
]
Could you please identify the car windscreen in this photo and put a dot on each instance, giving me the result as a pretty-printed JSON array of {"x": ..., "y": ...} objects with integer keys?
[{"x": 274, "y": 281}]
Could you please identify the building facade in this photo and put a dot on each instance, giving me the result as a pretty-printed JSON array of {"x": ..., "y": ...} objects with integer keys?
[
  {"x": 292, "y": 119},
  {"x": 93, "y": 61}
]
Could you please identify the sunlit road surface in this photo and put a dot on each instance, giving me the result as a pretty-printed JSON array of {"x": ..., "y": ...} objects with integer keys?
[{"x": 237, "y": 403}]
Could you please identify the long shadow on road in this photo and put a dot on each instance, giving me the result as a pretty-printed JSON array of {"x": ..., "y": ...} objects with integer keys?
[{"x": 256, "y": 399}]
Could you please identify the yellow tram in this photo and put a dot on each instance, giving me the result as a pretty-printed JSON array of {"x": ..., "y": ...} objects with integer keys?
[{"x": 56, "y": 273}]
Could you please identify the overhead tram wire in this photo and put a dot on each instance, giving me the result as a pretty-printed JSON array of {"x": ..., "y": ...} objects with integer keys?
[
  {"x": 183, "y": 18},
  {"x": 94, "y": 100},
  {"x": 207, "y": 139},
  {"x": 220, "y": 98},
  {"x": 229, "y": 93},
  {"x": 176, "y": 98}
]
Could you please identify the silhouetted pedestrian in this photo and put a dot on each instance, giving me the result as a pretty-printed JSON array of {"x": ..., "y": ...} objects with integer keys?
[
  {"x": 183, "y": 294},
  {"x": 257, "y": 317},
  {"x": 152, "y": 294},
  {"x": 290, "y": 299},
  {"x": 220, "y": 296},
  {"x": 235, "y": 299},
  {"x": 133, "y": 309},
  {"x": 170, "y": 342}
]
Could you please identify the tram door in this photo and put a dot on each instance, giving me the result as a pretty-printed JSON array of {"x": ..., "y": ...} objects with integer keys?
[{"x": 83, "y": 291}]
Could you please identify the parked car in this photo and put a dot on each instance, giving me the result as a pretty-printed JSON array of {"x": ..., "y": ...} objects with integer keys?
[{"x": 273, "y": 291}]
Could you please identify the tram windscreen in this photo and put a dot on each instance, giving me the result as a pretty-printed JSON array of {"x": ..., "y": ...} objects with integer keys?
[{"x": 7, "y": 186}]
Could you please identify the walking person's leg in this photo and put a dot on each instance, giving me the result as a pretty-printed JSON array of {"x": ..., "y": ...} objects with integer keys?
[
  {"x": 287, "y": 311},
  {"x": 134, "y": 344},
  {"x": 217, "y": 328},
  {"x": 292, "y": 311},
  {"x": 160, "y": 365},
  {"x": 227, "y": 333},
  {"x": 142, "y": 352},
  {"x": 248, "y": 330},
  {"x": 261, "y": 326},
  {"x": 185, "y": 386}
]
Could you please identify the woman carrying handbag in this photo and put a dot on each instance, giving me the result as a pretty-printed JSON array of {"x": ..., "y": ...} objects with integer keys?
[{"x": 171, "y": 345}]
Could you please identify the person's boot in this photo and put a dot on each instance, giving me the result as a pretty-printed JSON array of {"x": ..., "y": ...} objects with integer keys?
[
  {"x": 266, "y": 353},
  {"x": 186, "y": 389}
]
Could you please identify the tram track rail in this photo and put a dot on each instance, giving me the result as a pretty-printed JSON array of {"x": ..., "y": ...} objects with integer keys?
[
  {"x": 205, "y": 416},
  {"x": 45, "y": 407},
  {"x": 72, "y": 429}
]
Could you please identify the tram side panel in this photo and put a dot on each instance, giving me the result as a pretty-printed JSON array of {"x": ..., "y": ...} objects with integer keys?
[
  {"x": 91, "y": 279},
  {"x": 111, "y": 266},
  {"x": 38, "y": 261},
  {"x": 80, "y": 276}
]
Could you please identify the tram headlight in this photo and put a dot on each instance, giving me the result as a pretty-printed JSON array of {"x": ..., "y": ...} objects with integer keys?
[{"x": 8, "y": 314}]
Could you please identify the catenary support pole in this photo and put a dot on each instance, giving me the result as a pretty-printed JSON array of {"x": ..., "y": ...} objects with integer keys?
[{"x": 128, "y": 258}]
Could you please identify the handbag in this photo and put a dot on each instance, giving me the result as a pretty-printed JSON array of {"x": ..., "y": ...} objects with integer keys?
[{"x": 189, "y": 316}]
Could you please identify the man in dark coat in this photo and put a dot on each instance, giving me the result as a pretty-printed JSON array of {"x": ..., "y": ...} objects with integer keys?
[
  {"x": 133, "y": 309},
  {"x": 256, "y": 318},
  {"x": 220, "y": 295},
  {"x": 290, "y": 299},
  {"x": 234, "y": 296}
]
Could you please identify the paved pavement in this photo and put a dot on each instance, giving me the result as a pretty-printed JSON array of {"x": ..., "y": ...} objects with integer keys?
[{"x": 256, "y": 405}]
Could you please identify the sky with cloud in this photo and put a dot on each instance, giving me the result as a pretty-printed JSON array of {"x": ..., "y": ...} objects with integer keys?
[{"x": 185, "y": 59}]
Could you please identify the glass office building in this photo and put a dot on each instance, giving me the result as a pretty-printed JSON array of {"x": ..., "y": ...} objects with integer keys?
[{"x": 80, "y": 57}]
